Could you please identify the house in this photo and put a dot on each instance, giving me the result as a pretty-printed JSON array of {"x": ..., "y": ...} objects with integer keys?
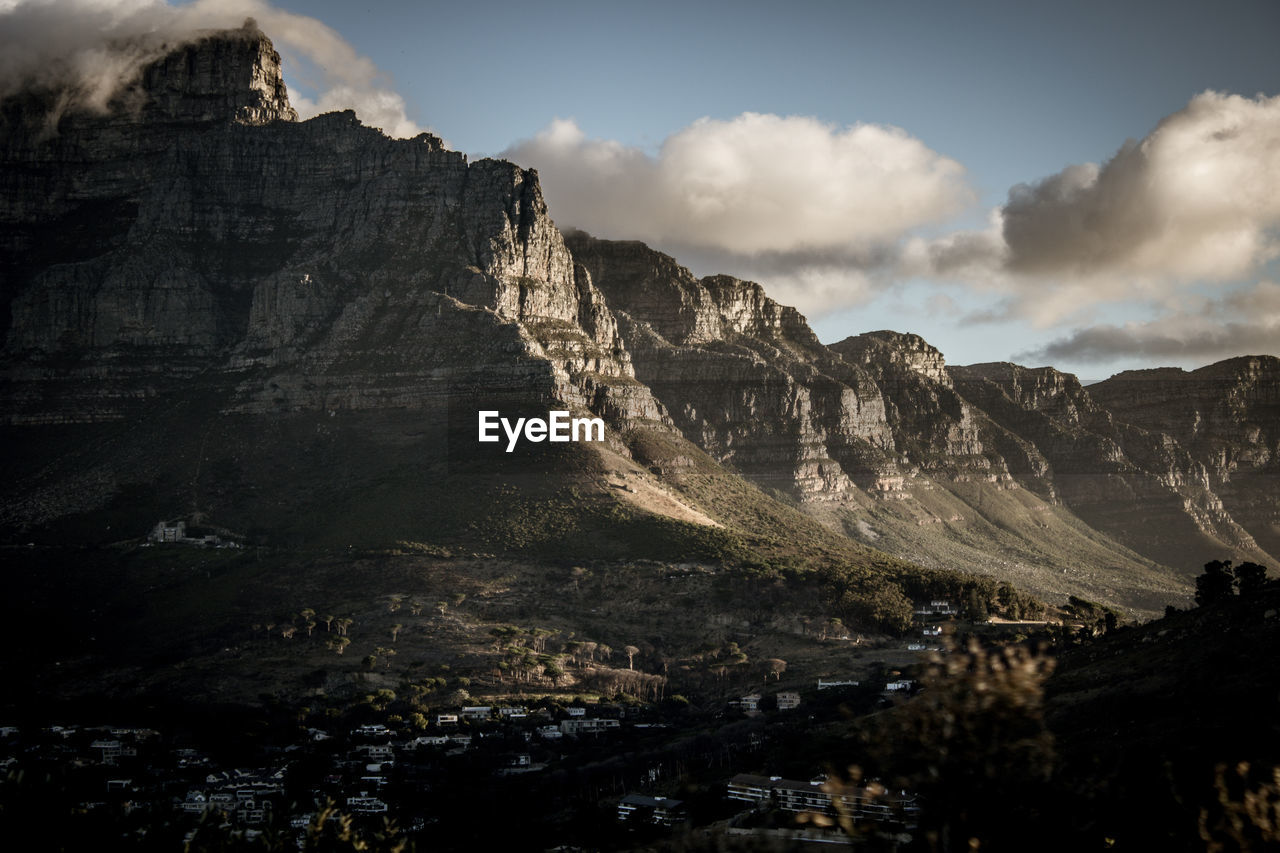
[
  {"x": 936, "y": 607},
  {"x": 168, "y": 531},
  {"x": 372, "y": 730},
  {"x": 658, "y": 810},
  {"x": 446, "y": 719},
  {"x": 476, "y": 712},
  {"x": 197, "y": 802},
  {"x": 365, "y": 804},
  {"x": 112, "y": 750},
  {"x": 576, "y": 711},
  {"x": 378, "y": 751},
  {"x": 787, "y": 700},
  {"x": 550, "y": 733},
  {"x": 796, "y": 796},
  {"x": 514, "y": 713},
  {"x": 748, "y": 703},
  {"x": 829, "y": 683},
  {"x": 587, "y": 726},
  {"x": 898, "y": 686}
]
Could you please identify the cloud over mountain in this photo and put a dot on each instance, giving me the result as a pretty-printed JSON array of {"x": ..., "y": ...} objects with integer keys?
[
  {"x": 88, "y": 49},
  {"x": 750, "y": 185}
]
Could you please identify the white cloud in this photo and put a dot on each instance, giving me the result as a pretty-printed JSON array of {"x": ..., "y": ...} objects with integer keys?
[
  {"x": 1195, "y": 203},
  {"x": 90, "y": 48},
  {"x": 1199, "y": 330},
  {"x": 1198, "y": 198},
  {"x": 750, "y": 185}
]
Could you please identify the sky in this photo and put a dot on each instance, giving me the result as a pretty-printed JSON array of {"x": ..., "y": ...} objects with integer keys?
[{"x": 1093, "y": 185}]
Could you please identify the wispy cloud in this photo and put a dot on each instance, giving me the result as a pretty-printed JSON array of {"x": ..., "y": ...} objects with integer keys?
[{"x": 1244, "y": 321}]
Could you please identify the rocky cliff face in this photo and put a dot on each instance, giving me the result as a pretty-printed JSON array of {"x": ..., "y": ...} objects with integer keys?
[
  {"x": 744, "y": 378},
  {"x": 211, "y": 309},
  {"x": 282, "y": 319},
  {"x": 213, "y": 230},
  {"x": 1226, "y": 417},
  {"x": 1140, "y": 486}
]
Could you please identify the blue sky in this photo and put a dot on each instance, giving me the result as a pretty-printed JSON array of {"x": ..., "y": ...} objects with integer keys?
[{"x": 857, "y": 158}]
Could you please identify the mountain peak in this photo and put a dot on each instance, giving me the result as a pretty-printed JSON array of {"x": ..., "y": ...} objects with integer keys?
[
  {"x": 222, "y": 75},
  {"x": 202, "y": 78}
]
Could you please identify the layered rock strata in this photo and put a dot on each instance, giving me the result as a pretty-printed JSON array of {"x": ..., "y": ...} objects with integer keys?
[{"x": 743, "y": 377}]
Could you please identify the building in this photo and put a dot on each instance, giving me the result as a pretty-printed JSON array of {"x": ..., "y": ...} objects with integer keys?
[
  {"x": 936, "y": 607},
  {"x": 168, "y": 531},
  {"x": 787, "y": 700},
  {"x": 658, "y": 810},
  {"x": 829, "y": 683},
  {"x": 875, "y": 804},
  {"x": 587, "y": 725}
]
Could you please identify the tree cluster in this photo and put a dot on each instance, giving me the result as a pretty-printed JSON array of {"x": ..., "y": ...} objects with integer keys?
[{"x": 1220, "y": 580}]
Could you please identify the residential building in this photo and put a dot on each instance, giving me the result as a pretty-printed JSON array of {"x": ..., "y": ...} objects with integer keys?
[{"x": 658, "y": 810}]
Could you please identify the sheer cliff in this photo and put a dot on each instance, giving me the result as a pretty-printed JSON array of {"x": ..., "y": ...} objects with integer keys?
[
  {"x": 238, "y": 297},
  {"x": 211, "y": 310},
  {"x": 869, "y": 435}
]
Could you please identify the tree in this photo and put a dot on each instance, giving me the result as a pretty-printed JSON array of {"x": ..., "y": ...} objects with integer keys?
[
  {"x": 395, "y": 632},
  {"x": 1251, "y": 577},
  {"x": 630, "y": 652},
  {"x": 339, "y": 644},
  {"x": 1217, "y": 582},
  {"x": 777, "y": 666}
]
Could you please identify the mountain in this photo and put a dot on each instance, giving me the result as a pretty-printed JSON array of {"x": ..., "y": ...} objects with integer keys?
[{"x": 283, "y": 332}]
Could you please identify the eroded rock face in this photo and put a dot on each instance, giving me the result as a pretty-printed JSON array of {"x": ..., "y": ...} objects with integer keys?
[
  {"x": 743, "y": 377},
  {"x": 243, "y": 293},
  {"x": 1226, "y": 416},
  {"x": 199, "y": 227},
  {"x": 1138, "y": 484}
]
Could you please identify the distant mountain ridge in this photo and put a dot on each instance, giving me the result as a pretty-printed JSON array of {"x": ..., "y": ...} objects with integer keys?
[{"x": 213, "y": 310}]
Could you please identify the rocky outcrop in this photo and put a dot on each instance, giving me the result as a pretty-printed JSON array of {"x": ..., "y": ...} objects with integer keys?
[
  {"x": 319, "y": 263},
  {"x": 743, "y": 377},
  {"x": 1226, "y": 416},
  {"x": 1139, "y": 486},
  {"x": 934, "y": 428},
  {"x": 205, "y": 301}
]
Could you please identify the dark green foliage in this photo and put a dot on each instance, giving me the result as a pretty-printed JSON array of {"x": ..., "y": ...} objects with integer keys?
[
  {"x": 1250, "y": 578},
  {"x": 1217, "y": 582},
  {"x": 1221, "y": 581}
]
